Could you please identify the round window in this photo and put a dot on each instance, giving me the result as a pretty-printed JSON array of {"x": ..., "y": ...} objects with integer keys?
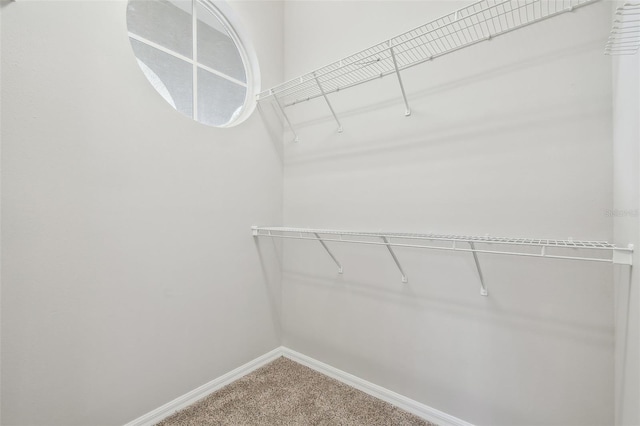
[{"x": 193, "y": 55}]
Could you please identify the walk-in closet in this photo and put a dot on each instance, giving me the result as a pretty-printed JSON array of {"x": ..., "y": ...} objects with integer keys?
[{"x": 319, "y": 212}]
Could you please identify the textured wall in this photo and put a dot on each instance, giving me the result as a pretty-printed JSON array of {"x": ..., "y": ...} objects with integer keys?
[
  {"x": 129, "y": 276},
  {"x": 511, "y": 137}
]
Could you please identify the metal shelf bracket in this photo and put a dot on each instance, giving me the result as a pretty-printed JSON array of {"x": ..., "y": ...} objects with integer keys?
[
  {"x": 407, "y": 112},
  {"x": 328, "y": 103},
  {"x": 395, "y": 259},
  {"x": 483, "y": 288},
  {"x": 329, "y": 251}
]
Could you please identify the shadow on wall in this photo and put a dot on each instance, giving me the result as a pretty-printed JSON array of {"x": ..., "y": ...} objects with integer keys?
[
  {"x": 543, "y": 324},
  {"x": 485, "y": 126},
  {"x": 272, "y": 280},
  {"x": 272, "y": 124},
  {"x": 490, "y": 323}
]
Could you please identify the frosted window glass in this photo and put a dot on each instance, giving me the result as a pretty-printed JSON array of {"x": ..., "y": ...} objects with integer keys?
[
  {"x": 167, "y": 23},
  {"x": 176, "y": 75},
  {"x": 229, "y": 99},
  {"x": 174, "y": 55},
  {"x": 157, "y": 83},
  {"x": 216, "y": 49}
]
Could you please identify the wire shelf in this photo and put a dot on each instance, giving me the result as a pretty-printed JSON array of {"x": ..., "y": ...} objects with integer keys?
[
  {"x": 353, "y": 237},
  {"x": 465, "y": 27},
  {"x": 625, "y": 32},
  {"x": 569, "y": 249}
]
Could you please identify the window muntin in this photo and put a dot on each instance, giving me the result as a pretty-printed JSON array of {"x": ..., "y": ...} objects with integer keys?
[
  {"x": 175, "y": 74},
  {"x": 199, "y": 58}
]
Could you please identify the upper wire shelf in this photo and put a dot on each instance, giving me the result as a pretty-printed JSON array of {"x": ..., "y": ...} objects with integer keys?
[
  {"x": 570, "y": 249},
  {"x": 538, "y": 242},
  {"x": 480, "y": 21},
  {"x": 625, "y": 32}
]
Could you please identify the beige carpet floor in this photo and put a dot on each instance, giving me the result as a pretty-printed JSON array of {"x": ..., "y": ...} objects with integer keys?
[{"x": 284, "y": 392}]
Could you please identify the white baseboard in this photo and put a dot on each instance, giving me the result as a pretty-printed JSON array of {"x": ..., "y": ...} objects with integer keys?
[
  {"x": 189, "y": 398},
  {"x": 414, "y": 407}
]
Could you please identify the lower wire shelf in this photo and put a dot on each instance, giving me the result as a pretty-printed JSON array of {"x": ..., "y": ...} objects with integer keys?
[{"x": 569, "y": 249}]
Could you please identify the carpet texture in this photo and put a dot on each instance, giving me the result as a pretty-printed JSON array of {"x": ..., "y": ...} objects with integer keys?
[{"x": 284, "y": 392}]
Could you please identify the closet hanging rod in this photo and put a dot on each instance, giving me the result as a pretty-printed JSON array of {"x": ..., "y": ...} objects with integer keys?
[{"x": 480, "y": 21}]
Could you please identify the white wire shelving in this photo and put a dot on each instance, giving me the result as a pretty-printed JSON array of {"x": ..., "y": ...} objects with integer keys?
[
  {"x": 625, "y": 32},
  {"x": 478, "y": 22},
  {"x": 569, "y": 249}
]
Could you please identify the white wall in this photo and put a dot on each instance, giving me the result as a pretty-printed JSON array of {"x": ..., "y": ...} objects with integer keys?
[
  {"x": 626, "y": 184},
  {"x": 129, "y": 276},
  {"x": 512, "y": 137},
  {"x": 1, "y": 7},
  {"x": 129, "y": 272}
]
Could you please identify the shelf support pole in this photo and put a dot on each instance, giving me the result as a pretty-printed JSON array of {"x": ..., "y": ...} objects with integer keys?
[
  {"x": 404, "y": 95},
  {"x": 286, "y": 117},
  {"x": 395, "y": 259},
  {"x": 324, "y": 95},
  {"x": 329, "y": 251},
  {"x": 483, "y": 289}
]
